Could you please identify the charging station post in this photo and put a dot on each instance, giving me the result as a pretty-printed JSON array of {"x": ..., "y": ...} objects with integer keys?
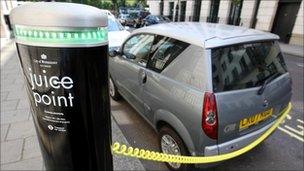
[{"x": 63, "y": 52}]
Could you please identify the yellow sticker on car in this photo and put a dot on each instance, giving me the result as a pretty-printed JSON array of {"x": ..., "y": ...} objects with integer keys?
[{"x": 245, "y": 123}]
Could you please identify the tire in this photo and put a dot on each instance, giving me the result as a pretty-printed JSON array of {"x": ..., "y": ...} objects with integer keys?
[
  {"x": 114, "y": 94},
  {"x": 166, "y": 132}
]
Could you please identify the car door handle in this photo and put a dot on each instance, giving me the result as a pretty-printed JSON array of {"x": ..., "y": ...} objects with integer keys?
[{"x": 143, "y": 77}]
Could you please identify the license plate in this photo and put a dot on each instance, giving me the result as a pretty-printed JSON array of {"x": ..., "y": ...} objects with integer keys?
[{"x": 245, "y": 123}]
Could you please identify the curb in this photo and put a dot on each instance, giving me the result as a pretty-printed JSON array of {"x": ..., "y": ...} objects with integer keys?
[
  {"x": 294, "y": 54},
  {"x": 294, "y": 50}
]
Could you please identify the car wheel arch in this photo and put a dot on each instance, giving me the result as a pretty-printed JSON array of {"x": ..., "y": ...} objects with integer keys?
[{"x": 163, "y": 117}]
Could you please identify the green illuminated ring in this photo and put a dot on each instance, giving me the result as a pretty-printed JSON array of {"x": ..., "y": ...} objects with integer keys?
[{"x": 61, "y": 36}]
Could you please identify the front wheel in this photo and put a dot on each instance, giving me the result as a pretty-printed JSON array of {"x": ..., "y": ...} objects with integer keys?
[
  {"x": 113, "y": 90},
  {"x": 171, "y": 143}
]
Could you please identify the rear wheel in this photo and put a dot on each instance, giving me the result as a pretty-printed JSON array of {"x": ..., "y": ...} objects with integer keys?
[
  {"x": 171, "y": 143},
  {"x": 113, "y": 90}
]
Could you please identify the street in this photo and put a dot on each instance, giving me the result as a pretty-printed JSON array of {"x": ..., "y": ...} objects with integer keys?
[{"x": 283, "y": 150}]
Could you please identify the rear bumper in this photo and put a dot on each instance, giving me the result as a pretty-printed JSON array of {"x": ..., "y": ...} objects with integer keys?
[
  {"x": 236, "y": 144},
  {"x": 243, "y": 142}
]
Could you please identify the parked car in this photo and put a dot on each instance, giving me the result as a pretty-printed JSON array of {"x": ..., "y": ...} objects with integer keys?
[
  {"x": 116, "y": 33},
  {"x": 135, "y": 19},
  {"x": 207, "y": 89},
  {"x": 131, "y": 19},
  {"x": 155, "y": 19},
  {"x": 122, "y": 18}
]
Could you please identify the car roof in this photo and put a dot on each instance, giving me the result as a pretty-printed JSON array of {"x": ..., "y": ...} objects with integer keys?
[
  {"x": 207, "y": 35},
  {"x": 107, "y": 12}
]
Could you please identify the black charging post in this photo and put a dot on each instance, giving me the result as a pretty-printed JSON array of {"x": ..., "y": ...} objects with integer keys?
[{"x": 63, "y": 49}]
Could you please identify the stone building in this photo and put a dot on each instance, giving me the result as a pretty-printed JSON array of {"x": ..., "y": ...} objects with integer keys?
[{"x": 282, "y": 17}]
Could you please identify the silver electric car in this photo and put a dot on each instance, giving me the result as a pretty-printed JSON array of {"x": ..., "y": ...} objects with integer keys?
[{"x": 207, "y": 89}]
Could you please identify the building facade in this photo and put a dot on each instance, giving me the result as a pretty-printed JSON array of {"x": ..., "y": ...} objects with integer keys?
[
  {"x": 5, "y": 9},
  {"x": 282, "y": 17}
]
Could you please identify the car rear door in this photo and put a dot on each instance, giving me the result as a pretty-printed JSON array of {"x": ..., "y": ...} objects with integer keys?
[
  {"x": 239, "y": 72},
  {"x": 133, "y": 59}
]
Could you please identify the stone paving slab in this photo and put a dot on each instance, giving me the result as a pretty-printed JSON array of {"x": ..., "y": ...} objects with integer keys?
[
  {"x": 4, "y": 129},
  {"x": 295, "y": 50},
  {"x": 11, "y": 151},
  {"x": 21, "y": 130},
  {"x": 31, "y": 148},
  {"x": 14, "y": 116},
  {"x": 29, "y": 164}
]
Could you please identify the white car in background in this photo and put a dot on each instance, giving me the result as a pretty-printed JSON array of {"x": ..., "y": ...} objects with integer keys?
[{"x": 116, "y": 33}]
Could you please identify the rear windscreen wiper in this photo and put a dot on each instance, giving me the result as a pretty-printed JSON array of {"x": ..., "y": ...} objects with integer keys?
[{"x": 266, "y": 81}]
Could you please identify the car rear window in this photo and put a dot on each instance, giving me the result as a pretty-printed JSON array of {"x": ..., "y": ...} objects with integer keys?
[{"x": 245, "y": 65}]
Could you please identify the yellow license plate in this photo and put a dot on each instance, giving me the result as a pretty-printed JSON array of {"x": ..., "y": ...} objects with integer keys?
[{"x": 245, "y": 123}]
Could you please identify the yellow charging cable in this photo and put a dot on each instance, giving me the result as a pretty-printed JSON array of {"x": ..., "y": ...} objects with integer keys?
[{"x": 162, "y": 157}]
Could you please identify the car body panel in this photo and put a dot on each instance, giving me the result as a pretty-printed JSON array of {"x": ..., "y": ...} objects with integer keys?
[
  {"x": 237, "y": 143},
  {"x": 128, "y": 82},
  {"x": 247, "y": 103},
  {"x": 116, "y": 38}
]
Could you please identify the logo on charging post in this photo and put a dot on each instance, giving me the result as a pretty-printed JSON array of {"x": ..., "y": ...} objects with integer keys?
[
  {"x": 43, "y": 56},
  {"x": 54, "y": 82}
]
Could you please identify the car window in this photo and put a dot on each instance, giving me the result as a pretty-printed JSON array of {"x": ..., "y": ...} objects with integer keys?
[
  {"x": 245, "y": 65},
  {"x": 114, "y": 25},
  {"x": 138, "y": 48},
  {"x": 165, "y": 50}
]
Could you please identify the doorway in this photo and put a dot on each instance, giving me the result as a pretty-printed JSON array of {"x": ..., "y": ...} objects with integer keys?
[{"x": 285, "y": 19}]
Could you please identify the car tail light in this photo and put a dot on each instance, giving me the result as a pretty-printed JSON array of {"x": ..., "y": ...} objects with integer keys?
[{"x": 209, "y": 116}]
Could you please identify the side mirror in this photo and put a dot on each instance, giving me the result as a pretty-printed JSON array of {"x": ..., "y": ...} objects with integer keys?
[{"x": 113, "y": 53}]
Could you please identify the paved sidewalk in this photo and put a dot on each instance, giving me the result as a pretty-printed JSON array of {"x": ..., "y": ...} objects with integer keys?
[
  {"x": 19, "y": 145},
  {"x": 292, "y": 49}
]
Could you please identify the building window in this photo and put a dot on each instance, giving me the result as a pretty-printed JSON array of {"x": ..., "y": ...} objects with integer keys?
[
  {"x": 197, "y": 10},
  {"x": 235, "y": 12},
  {"x": 254, "y": 18},
  {"x": 171, "y": 10},
  {"x": 213, "y": 14},
  {"x": 176, "y": 12},
  {"x": 161, "y": 7},
  {"x": 183, "y": 11}
]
